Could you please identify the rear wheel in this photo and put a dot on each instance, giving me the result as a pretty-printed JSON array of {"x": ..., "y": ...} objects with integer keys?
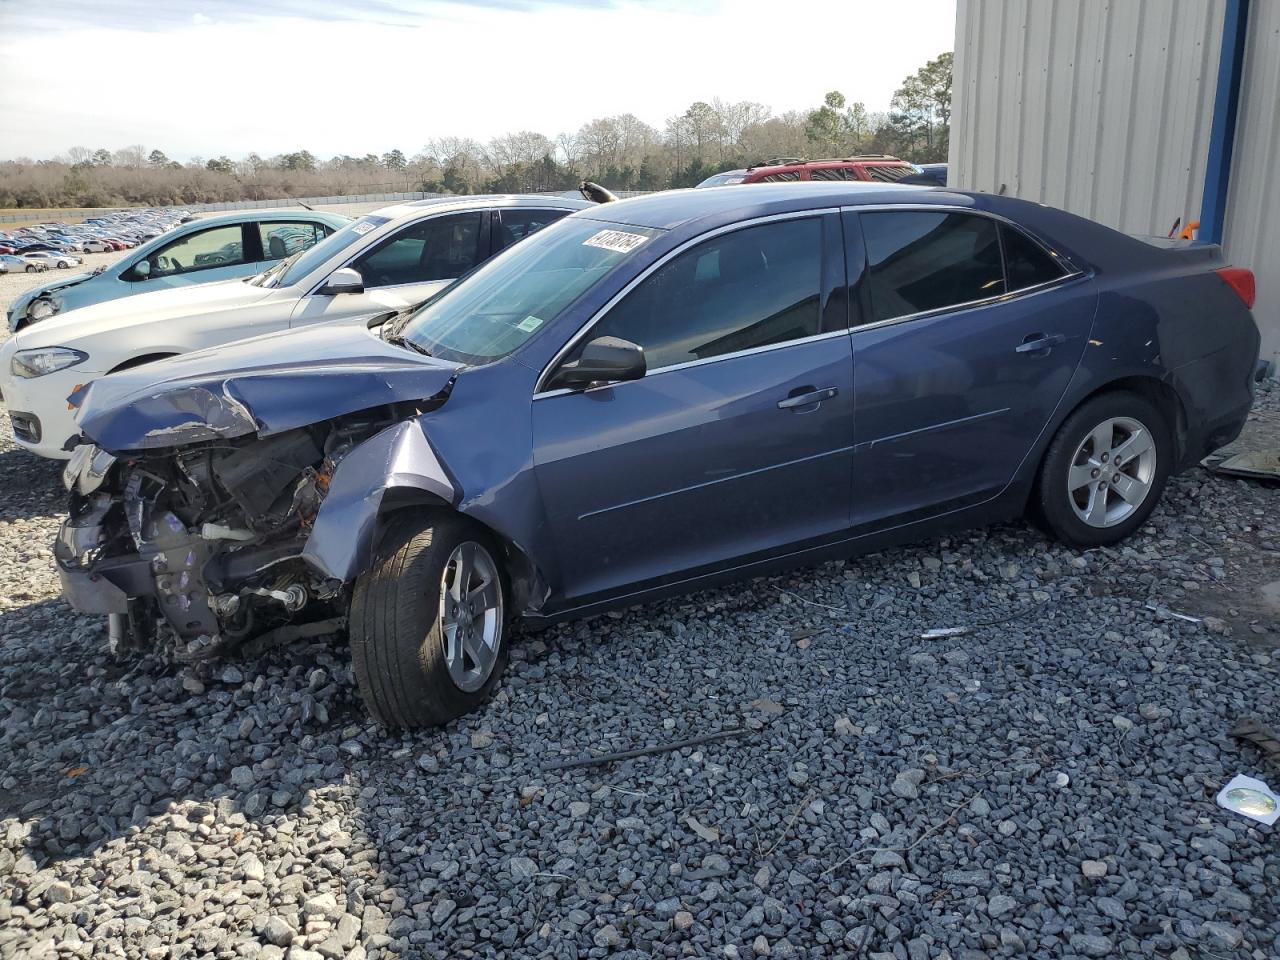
[
  {"x": 1105, "y": 469},
  {"x": 428, "y": 623}
]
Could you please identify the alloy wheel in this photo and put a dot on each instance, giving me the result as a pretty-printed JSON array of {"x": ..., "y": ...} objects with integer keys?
[
  {"x": 470, "y": 615},
  {"x": 1112, "y": 472}
]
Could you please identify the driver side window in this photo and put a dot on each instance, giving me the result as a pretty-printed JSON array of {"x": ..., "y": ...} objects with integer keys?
[
  {"x": 441, "y": 248},
  {"x": 206, "y": 250},
  {"x": 753, "y": 287}
]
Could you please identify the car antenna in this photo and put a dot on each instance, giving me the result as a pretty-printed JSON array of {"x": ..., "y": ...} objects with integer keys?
[
  {"x": 1174, "y": 229},
  {"x": 305, "y": 206},
  {"x": 596, "y": 193}
]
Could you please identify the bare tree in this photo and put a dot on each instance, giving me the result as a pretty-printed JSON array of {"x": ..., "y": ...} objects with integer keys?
[{"x": 133, "y": 157}]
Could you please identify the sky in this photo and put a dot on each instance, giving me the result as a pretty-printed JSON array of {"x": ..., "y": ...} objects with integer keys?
[{"x": 229, "y": 77}]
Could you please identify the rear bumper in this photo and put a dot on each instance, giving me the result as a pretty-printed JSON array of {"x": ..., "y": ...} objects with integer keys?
[{"x": 1218, "y": 392}]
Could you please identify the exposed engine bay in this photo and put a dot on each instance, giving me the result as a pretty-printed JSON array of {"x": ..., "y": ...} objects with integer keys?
[{"x": 201, "y": 546}]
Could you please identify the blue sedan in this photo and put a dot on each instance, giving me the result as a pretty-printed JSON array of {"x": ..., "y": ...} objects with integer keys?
[
  {"x": 202, "y": 251},
  {"x": 646, "y": 398}
]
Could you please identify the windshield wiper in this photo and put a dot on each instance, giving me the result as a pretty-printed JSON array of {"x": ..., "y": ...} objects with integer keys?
[{"x": 400, "y": 341}]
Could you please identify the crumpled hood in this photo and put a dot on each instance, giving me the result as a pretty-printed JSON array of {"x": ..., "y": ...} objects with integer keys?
[
  {"x": 62, "y": 282},
  {"x": 249, "y": 386}
]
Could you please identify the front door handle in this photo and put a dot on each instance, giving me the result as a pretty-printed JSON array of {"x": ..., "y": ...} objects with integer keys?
[
  {"x": 808, "y": 398},
  {"x": 1036, "y": 342}
]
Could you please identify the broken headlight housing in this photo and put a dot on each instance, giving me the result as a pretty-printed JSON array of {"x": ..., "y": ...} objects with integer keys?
[
  {"x": 87, "y": 468},
  {"x": 42, "y": 308}
]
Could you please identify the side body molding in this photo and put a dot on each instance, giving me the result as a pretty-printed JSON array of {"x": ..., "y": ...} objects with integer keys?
[{"x": 341, "y": 541}]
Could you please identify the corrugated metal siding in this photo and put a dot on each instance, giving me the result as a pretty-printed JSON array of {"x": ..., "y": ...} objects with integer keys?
[
  {"x": 1252, "y": 234},
  {"x": 1102, "y": 107}
]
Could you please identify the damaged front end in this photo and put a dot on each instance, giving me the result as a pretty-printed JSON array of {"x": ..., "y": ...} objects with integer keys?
[{"x": 200, "y": 546}]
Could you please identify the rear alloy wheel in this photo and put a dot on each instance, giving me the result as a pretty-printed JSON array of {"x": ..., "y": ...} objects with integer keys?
[
  {"x": 428, "y": 624},
  {"x": 1105, "y": 470}
]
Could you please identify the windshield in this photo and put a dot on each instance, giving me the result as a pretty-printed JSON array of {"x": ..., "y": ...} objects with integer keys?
[
  {"x": 507, "y": 300},
  {"x": 723, "y": 179},
  {"x": 294, "y": 268}
]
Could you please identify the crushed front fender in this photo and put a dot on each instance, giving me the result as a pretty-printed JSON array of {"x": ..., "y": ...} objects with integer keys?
[{"x": 400, "y": 457}]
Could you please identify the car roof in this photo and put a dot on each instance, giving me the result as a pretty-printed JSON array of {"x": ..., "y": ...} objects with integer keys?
[
  {"x": 672, "y": 208},
  {"x": 252, "y": 216},
  {"x": 484, "y": 200}
]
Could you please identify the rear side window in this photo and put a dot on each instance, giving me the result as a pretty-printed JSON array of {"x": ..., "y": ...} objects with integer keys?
[
  {"x": 515, "y": 225},
  {"x": 919, "y": 261},
  {"x": 888, "y": 174},
  {"x": 1027, "y": 263},
  {"x": 832, "y": 173},
  {"x": 750, "y": 288},
  {"x": 282, "y": 239}
]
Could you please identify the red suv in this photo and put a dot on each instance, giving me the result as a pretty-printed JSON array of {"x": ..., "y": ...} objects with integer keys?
[{"x": 880, "y": 167}]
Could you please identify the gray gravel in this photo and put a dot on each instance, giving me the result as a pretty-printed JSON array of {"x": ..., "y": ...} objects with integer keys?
[{"x": 1039, "y": 787}]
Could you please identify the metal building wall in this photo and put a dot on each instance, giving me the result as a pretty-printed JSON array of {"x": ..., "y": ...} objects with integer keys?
[
  {"x": 1251, "y": 236},
  {"x": 1102, "y": 107}
]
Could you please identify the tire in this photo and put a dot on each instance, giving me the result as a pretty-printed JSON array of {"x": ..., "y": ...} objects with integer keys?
[
  {"x": 398, "y": 641},
  {"x": 1074, "y": 466},
  {"x": 30, "y": 268}
]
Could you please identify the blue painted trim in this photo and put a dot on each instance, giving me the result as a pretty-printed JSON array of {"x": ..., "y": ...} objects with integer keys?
[{"x": 1222, "y": 135}]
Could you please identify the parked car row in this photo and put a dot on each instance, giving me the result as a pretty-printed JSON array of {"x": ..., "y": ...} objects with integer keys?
[
  {"x": 642, "y": 398},
  {"x": 115, "y": 231}
]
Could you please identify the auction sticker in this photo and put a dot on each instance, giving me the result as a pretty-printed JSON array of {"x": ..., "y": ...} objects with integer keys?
[
  {"x": 362, "y": 228},
  {"x": 619, "y": 241},
  {"x": 529, "y": 324}
]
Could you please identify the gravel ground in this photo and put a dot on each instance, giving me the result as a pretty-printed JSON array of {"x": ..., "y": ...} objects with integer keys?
[{"x": 1041, "y": 786}]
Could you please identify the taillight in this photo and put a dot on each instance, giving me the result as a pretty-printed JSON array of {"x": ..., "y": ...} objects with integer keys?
[{"x": 1241, "y": 281}]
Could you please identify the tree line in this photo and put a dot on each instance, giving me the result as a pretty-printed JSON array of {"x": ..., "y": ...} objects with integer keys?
[{"x": 622, "y": 152}]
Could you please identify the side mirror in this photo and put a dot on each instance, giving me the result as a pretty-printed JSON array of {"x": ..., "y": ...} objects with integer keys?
[
  {"x": 342, "y": 280},
  {"x": 603, "y": 360},
  {"x": 142, "y": 269}
]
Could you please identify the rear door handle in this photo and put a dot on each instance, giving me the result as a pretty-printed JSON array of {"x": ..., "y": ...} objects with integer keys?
[
  {"x": 1035, "y": 342},
  {"x": 808, "y": 398}
]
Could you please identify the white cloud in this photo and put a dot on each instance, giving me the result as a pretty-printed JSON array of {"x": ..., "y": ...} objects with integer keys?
[{"x": 274, "y": 84}]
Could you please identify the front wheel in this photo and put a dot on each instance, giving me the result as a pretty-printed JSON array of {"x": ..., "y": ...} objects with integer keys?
[
  {"x": 1105, "y": 469},
  {"x": 428, "y": 623},
  {"x": 30, "y": 269}
]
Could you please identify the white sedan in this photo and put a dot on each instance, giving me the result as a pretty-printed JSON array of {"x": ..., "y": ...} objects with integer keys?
[
  {"x": 63, "y": 261},
  {"x": 386, "y": 261}
]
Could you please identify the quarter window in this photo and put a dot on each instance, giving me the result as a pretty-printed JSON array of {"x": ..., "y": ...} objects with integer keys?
[
  {"x": 1027, "y": 264},
  {"x": 919, "y": 261},
  {"x": 280, "y": 240},
  {"x": 440, "y": 248},
  {"x": 754, "y": 287}
]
